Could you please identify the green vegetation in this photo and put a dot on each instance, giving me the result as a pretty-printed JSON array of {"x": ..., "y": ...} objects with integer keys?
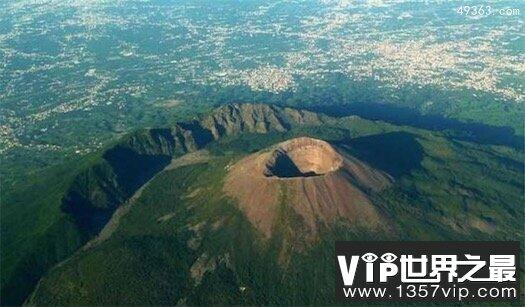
[
  {"x": 36, "y": 234},
  {"x": 52, "y": 213}
]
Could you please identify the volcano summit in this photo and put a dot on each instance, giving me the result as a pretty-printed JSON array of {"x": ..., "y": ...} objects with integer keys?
[
  {"x": 322, "y": 184},
  {"x": 303, "y": 157}
]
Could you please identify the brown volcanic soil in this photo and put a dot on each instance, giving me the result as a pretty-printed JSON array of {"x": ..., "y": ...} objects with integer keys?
[{"x": 320, "y": 183}]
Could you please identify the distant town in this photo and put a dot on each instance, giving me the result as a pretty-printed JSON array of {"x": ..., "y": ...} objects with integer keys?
[{"x": 95, "y": 62}]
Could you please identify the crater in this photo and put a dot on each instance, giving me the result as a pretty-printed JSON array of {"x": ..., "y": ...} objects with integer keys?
[{"x": 303, "y": 157}]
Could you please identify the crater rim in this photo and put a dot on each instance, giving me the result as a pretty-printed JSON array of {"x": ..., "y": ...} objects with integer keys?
[{"x": 301, "y": 158}]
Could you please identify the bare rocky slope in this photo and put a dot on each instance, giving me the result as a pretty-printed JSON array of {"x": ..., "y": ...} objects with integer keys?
[{"x": 321, "y": 183}]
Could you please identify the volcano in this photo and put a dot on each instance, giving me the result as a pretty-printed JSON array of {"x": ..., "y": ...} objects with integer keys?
[
  {"x": 321, "y": 183},
  {"x": 202, "y": 213}
]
